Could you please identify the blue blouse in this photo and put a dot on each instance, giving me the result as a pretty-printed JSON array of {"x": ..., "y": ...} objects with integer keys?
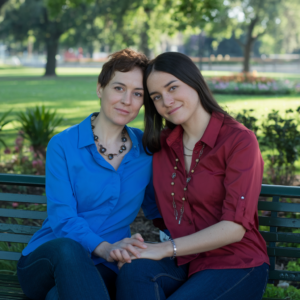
[{"x": 87, "y": 199}]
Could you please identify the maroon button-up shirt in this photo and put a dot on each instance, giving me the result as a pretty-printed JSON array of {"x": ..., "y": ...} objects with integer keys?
[{"x": 225, "y": 186}]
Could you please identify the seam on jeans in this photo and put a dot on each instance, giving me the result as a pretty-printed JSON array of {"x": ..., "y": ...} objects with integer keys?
[
  {"x": 247, "y": 275},
  {"x": 156, "y": 291},
  {"x": 264, "y": 289},
  {"x": 167, "y": 275},
  {"x": 35, "y": 263}
]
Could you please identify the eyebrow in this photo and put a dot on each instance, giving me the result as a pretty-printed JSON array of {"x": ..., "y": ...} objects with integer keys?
[
  {"x": 164, "y": 87},
  {"x": 120, "y": 83}
]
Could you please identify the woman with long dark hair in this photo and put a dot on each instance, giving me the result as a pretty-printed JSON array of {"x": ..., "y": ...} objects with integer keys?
[{"x": 207, "y": 175}]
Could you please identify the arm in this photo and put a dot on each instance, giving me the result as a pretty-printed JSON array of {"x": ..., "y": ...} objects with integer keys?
[
  {"x": 62, "y": 206},
  {"x": 243, "y": 183}
]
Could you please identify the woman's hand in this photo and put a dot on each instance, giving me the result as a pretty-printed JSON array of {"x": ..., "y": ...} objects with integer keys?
[
  {"x": 153, "y": 251},
  {"x": 122, "y": 250}
]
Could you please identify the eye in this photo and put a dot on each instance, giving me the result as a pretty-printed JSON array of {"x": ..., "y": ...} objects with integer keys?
[
  {"x": 156, "y": 98},
  {"x": 172, "y": 88},
  {"x": 118, "y": 88},
  {"x": 138, "y": 94}
]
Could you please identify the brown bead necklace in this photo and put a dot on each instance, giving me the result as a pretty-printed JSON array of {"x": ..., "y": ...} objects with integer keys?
[
  {"x": 184, "y": 198},
  {"x": 102, "y": 149}
]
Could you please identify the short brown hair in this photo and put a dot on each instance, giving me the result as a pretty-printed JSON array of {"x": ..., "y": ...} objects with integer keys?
[{"x": 123, "y": 61}]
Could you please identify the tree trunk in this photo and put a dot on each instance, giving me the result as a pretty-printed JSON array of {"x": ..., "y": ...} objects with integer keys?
[
  {"x": 144, "y": 40},
  {"x": 247, "y": 54},
  {"x": 52, "y": 47}
]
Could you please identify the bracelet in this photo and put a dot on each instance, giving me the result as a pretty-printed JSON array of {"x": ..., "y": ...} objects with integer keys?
[{"x": 174, "y": 248}]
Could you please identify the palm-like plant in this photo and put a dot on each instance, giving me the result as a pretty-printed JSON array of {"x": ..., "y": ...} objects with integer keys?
[
  {"x": 3, "y": 122},
  {"x": 38, "y": 126}
]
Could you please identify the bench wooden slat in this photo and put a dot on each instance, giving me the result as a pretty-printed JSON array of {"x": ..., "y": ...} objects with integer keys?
[
  {"x": 279, "y": 222},
  {"x": 23, "y": 198},
  {"x": 28, "y": 180},
  {"x": 9, "y": 255},
  {"x": 280, "y": 237},
  {"x": 23, "y": 214},
  {"x": 15, "y": 238},
  {"x": 284, "y": 252},
  {"x": 269, "y": 190},
  {"x": 278, "y": 206},
  {"x": 18, "y": 229}
]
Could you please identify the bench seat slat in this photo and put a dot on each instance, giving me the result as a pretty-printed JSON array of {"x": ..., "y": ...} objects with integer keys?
[
  {"x": 23, "y": 198},
  {"x": 15, "y": 238},
  {"x": 280, "y": 237},
  {"x": 7, "y": 255},
  {"x": 284, "y": 252},
  {"x": 268, "y": 190},
  {"x": 18, "y": 229},
  {"x": 23, "y": 214},
  {"x": 280, "y": 222},
  {"x": 278, "y": 206}
]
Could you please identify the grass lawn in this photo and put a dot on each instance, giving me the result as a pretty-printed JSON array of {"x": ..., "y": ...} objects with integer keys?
[{"x": 73, "y": 95}]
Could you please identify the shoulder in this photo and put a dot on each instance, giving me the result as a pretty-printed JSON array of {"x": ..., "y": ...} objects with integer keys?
[
  {"x": 137, "y": 132},
  {"x": 164, "y": 135}
]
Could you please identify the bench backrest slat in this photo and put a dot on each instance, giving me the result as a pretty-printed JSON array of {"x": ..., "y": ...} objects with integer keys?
[
  {"x": 284, "y": 275},
  {"x": 268, "y": 190},
  {"x": 23, "y": 198},
  {"x": 18, "y": 229},
  {"x": 284, "y": 252},
  {"x": 278, "y": 206},
  {"x": 15, "y": 238},
  {"x": 279, "y": 222},
  {"x": 8, "y": 255},
  {"x": 281, "y": 237},
  {"x": 23, "y": 214},
  {"x": 27, "y": 180}
]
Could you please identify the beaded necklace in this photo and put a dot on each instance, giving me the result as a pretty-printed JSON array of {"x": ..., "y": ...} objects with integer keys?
[
  {"x": 102, "y": 149},
  {"x": 185, "y": 186}
]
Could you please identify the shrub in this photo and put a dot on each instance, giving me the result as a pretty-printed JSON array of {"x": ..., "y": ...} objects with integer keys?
[
  {"x": 3, "y": 122},
  {"x": 247, "y": 119},
  {"x": 38, "y": 127}
]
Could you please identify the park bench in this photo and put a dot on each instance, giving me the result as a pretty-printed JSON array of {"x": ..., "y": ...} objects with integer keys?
[{"x": 18, "y": 233}]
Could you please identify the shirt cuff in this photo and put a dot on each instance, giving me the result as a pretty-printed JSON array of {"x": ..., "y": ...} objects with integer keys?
[{"x": 91, "y": 241}]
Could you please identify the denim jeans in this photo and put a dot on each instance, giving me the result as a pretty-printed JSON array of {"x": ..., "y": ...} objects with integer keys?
[
  {"x": 157, "y": 280},
  {"x": 64, "y": 268}
]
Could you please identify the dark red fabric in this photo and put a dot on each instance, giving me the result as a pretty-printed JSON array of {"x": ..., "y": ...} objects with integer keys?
[{"x": 225, "y": 186}]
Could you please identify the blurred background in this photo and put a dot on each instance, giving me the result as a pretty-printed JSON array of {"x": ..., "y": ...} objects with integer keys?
[{"x": 51, "y": 52}]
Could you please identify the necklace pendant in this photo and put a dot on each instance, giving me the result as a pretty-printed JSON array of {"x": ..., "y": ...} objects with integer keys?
[
  {"x": 188, "y": 179},
  {"x": 173, "y": 175},
  {"x": 102, "y": 149},
  {"x": 110, "y": 156}
]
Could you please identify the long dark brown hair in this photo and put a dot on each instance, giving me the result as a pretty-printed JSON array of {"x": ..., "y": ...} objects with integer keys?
[{"x": 182, "y": 67}]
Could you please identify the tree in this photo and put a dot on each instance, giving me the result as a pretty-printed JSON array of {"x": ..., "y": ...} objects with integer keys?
[{"x": 34, "y": 16}]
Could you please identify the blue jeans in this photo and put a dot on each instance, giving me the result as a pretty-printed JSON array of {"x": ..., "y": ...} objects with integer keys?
[
  {"x": 64, "y": 268},
  {"x": 157, "y": 280}
]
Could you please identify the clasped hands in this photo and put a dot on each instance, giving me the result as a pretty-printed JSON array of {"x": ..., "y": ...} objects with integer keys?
[{"x": 129, "y": 249}]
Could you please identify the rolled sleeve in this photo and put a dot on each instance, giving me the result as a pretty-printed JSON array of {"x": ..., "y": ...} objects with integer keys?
[
  {"x": 61, "y": 202},
  {"x": 243, "y": 180}
]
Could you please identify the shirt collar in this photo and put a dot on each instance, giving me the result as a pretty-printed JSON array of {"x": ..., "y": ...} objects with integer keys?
[
  {"x": 86, "y": 136},
  {"x": 210, "y": 134}
]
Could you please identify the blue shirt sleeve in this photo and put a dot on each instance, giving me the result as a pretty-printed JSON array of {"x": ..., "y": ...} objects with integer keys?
[
  {"x": 61, "y": 201},
  {"x": 149, "y": 205}
]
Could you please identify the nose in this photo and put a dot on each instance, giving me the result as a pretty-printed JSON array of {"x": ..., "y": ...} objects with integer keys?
[
  {"x": 126, "y": 99},
  {"x": 168, "y": 100}
]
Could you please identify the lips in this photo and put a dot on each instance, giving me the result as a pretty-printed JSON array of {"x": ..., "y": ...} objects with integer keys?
[
  {"x": 122, "y": 111},
  {"x": 174, "y": 110}
]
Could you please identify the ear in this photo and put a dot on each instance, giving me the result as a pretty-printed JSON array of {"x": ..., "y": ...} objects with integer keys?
[{"x": 99, "y": 90}]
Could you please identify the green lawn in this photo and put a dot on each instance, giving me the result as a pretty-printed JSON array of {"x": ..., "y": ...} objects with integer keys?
[{"x": 73, "y": 95}]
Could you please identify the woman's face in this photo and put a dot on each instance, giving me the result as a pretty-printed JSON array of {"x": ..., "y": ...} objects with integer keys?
[
  {"x": 122, "y": 97},
  {"x": 174, "y": 100}
]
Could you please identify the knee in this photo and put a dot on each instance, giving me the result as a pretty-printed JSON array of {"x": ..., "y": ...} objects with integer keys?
[{"x": 68, "y": 249}]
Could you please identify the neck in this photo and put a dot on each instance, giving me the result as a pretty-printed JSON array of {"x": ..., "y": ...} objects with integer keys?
[
  {"x": 107, "y": 132},
  {"x": 195, "y": 127}
]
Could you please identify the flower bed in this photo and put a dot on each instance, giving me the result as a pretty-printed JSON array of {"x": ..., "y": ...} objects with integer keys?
[{"x": 250, "y": 83}]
